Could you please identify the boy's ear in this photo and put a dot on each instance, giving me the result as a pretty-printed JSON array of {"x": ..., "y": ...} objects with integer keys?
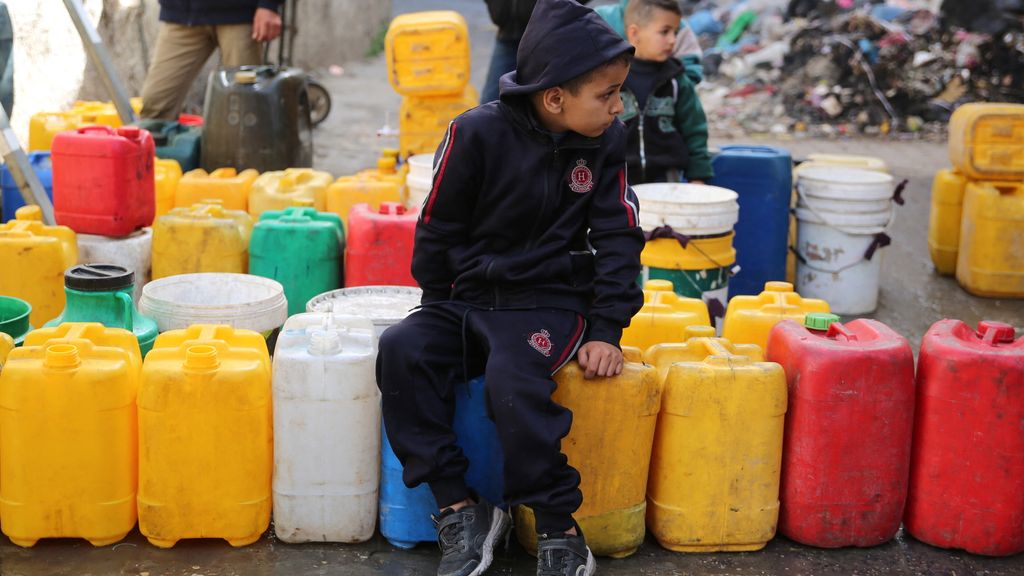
[
  {"x": 553, "y": 99},
  {"x": 632, "y": 33}
]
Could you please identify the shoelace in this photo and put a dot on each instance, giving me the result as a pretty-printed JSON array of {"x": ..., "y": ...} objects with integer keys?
[
  {"x": 553, "y": 562},
  {"x": 451, "y": 538}
]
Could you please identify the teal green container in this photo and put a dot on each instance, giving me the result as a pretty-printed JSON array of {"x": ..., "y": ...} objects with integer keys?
[
  {"x": 103, "y": 293},
  {"x": 14, "y": 314},
  {"x": 300, "y": 248},
  {"x": 175, "y": 141}
]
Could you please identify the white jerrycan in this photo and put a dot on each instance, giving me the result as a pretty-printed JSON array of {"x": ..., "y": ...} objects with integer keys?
[{"x": 326, "y": 429}]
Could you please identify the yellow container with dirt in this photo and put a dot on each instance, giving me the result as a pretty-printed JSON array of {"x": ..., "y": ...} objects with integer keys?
[
  {"x": 167, "y": 174},
  {"x": 717, "y": 457},
  {"x": 69, "y": 451},
  {"x": 226, "y": 185},
  {"x": 43, "y": 126},
  {"x": 386, "y": 183},
  {"x": 205, "y": 437},
  {"x": 986, "y": 141},
  {"x": 33, "y": 258},
  {"x": 422, "y": 120},
  {"x": 944, "y": 219},
  {"x": 281, "y": 189},
  {"x": 664, "y": 316},
  {"x": 427, "y": 53},
  {"x": 610, "y": 445},
  {"x": 201, "y": 238},
  {"x": 749, "y": 319},
  {"x": 990, "y": 261}
]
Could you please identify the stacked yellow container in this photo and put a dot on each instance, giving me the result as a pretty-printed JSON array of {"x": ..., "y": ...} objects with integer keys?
[
  {"x": 609, "y": 444},
  {"x": 717, "y": 457},
  {"x": 428, "y": 64},
  {"x": 167, "y": 174},
  {"x": 201, "y": 238},
  {"x": 976, "y": 226},
  {"x": 33, "y": 258},
  {"x": 69, "y": 448},
  {"x": 386, "y": 183},
  {"x": 205, "y": 437},
  {"x": 664, "y": 316},
  {"x": 43, "y": 126}
]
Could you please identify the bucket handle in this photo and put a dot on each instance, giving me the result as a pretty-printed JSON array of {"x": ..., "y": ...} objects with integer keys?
[
  {"x": 881, "y": 240},
  {"x": 127, "y": 307},
  {"x": 859, "y": 232}
]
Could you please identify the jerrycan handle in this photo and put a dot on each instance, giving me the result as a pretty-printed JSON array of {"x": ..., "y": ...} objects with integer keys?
[
  {"x": 992, "y": 333},
  {"x": 127, "y": 308},
  {"x": 96, "y": 128},
  {"x": 836, "y": 330}
]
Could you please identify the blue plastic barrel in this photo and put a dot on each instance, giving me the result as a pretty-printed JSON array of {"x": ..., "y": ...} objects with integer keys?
[
  {"x": 404, "y": 513},
  {"x": 40, "y": 162},
  {"x": 763, "y": 178}
]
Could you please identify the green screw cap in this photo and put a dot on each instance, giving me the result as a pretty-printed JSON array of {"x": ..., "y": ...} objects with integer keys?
[{"x": 819, "y": 320}]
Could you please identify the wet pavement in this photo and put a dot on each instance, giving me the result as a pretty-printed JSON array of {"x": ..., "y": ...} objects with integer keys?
[{"x": 912, "y": 298}]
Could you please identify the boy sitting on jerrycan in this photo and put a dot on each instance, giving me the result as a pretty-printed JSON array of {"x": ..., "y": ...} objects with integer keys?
[{"x": 527, "y": 250}]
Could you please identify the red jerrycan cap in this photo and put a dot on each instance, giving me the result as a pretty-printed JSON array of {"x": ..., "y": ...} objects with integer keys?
[
  {"x": 992, "y": 332},
  {"x": 392, "y": 208},
  {"x": 130, "y": 132}
]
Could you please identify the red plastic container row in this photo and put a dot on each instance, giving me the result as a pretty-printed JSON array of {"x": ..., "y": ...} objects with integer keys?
[{"x": 857, "y": 460}]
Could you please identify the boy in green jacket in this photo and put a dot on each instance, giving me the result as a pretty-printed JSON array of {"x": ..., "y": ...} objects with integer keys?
[{"x": 667, "y": 131}]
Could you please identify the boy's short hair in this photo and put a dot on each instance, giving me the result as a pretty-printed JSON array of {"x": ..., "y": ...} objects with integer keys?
[
  {"x": 573, "y": 85},
  {"x": 640, "y": 11}
]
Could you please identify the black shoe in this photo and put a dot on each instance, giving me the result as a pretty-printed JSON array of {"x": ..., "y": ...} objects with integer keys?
[
  {"x": 467, "y": 538},
  {"x": 564, "y": 555}
]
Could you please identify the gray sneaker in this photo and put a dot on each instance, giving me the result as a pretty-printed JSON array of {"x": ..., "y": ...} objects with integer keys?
[
  {"x": 467, "y": 538},
  {"x": 564, "y": 555}
]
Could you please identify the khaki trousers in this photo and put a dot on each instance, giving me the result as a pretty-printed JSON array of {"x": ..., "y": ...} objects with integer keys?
[{"x": 181, "y": 51}]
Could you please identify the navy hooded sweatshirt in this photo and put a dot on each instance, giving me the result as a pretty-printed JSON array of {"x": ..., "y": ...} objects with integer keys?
[
  {"x": 205, "y": 12},
  {"x": 517, "y": 218}
]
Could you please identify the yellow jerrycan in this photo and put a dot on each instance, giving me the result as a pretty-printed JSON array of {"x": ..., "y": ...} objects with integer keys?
[
  {"x": 717, "y": 457},
  {"x": 227, "y": 185},
  {"x": 749, "y": 319},
  {"x": 990, "y": 261},
  {"x": 422, "y": 120},
  {"x": 948, "y": 189},
  {"x": 373, "y": 187},
  {"x": 664, "y": 316},
  {"x": 33, "y": 258},
  {"x": 6, "y": 345},
  {"x": 427, "y": 53},
  {"x": 205, "y": 437},
  {"x": 610, "y": 445},
  {"x": 282, "y": 189},
  {"x": 166, "y": 173},
  {"x": 986, "y": 141},
  {"x": 69, "y": 447},
  {"x": 201, "y": 238}
]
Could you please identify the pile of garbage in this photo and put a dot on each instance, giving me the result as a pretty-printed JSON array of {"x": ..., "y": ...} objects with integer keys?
[{"x": 846, "y": 67}]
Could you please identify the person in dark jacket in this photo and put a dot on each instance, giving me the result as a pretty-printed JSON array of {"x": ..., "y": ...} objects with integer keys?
[
  {"x": 190, "y": 30},
  {"x": 667, "y": 128},
  {"x": 527, "y": 250},
  {"x": 510, "y": 16}
]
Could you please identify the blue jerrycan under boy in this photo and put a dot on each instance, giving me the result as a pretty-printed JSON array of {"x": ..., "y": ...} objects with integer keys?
[
  {"x": 404, "y": 513},
  {"x": 12, "y": 200},
  {"x": 762, "y": 176}
]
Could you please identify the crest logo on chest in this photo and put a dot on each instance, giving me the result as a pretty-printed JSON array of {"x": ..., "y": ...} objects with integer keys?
[{"x": 581, "y": 180}]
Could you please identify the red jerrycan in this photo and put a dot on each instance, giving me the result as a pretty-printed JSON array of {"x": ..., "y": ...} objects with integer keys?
[
  {"x": 379, "y": 248},
  {"x": 846, "y": 453},
  {"x": 103, "y": 180},
  {"x": 967, "y": 467}
]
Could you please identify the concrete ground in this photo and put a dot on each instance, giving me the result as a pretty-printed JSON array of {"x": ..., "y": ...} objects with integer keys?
[{"x": 912, "y": 298}]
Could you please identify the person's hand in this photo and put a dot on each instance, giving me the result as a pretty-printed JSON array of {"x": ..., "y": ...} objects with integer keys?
[
  {"x": 696, "y": 182},
  {"x": 266, "y": 25},
  {"x": 599, "y": 359}
]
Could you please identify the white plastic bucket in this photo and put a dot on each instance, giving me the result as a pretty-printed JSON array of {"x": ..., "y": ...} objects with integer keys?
[
  {"x": 325, "y": 389},
  {"x": 420, "y": 179},
  {"x": 384, "y": 305},
  {"x": 237, "y": 300},
  {"x": 840, "y": 213},
  {"x": 691, "y": 209},
  {"x": 134, "y": 252}
]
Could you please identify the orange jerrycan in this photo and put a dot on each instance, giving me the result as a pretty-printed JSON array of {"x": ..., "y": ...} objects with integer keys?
[
  {"x": 33, "y": 258},
  {"x": 69, "y": 451},
  {"x": 749, "y": 319},
  {"x": 282, "y": 189},
  {"x": 664, "y": 316},
  {"x": 201, "y": 238},
  {"x": 167, "y": 173},
  {"x": 610, "y": 445},
  {"x": 716, "y": 462},
  {"x": 205, "y": 440},
  {"x": 228, "y": 185}
]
